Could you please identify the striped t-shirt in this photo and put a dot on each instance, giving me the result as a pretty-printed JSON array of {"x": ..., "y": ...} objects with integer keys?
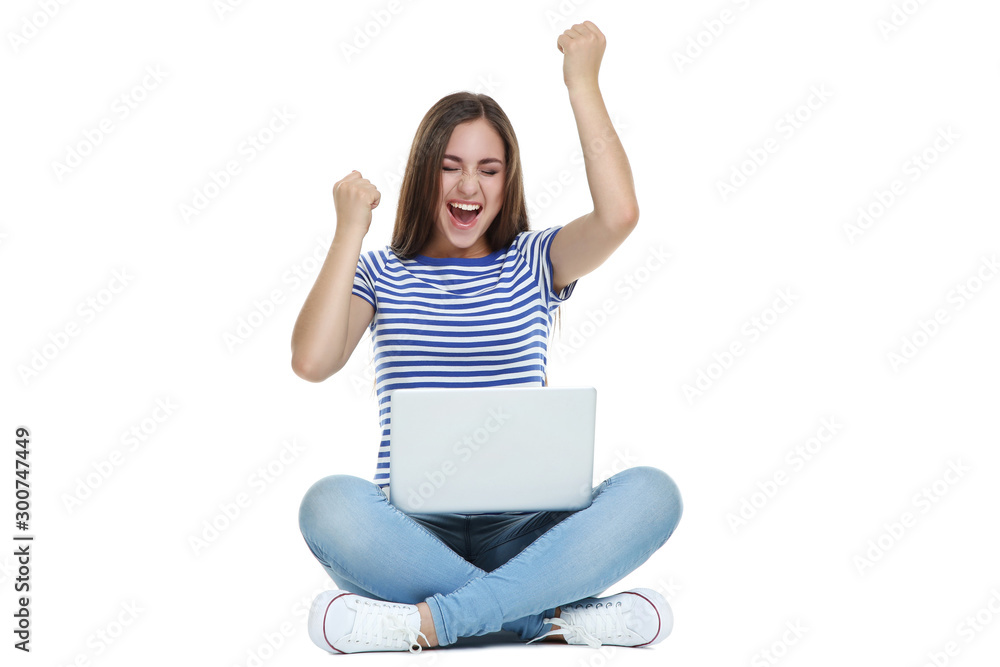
[{"x": 458, "y": 321}]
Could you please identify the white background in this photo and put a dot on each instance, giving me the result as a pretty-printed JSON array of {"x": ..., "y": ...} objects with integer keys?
[{"x": 687, "y": 128}]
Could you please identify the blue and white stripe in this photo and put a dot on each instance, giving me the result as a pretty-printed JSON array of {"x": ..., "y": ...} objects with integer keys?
[{"x": 458, "y": 322}]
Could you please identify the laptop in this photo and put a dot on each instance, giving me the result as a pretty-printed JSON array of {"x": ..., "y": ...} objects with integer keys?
[{"x": 492, "y": 449}]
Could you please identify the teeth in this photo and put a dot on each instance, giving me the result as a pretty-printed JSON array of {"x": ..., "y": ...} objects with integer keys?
[{"x": 466, "y": 207}]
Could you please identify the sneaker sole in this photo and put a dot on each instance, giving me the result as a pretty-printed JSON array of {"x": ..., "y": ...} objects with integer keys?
[
  {"x": 317, "y": 619},
  {"x": 663, "y": 612}
]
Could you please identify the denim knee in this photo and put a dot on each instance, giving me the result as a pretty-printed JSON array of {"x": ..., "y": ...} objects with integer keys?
[
  {"x": 330, "y": 496},
  {"x": 330, "y": 521},
  {"x": 661, "y": 493}
]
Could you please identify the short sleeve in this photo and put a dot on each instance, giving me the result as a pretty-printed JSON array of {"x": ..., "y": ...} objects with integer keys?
[
  {"x": 364, "y": 278},
  {"x": 534, "y": 246}
]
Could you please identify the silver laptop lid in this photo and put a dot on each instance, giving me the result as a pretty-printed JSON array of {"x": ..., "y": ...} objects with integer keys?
[{"x": 492, "y": 449}]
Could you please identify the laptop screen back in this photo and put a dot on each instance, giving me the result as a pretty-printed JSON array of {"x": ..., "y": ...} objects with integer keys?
[{"x": 492, "y": 449}]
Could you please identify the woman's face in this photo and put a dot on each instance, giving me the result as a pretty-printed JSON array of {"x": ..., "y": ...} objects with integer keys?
[{"x": 473, "y": 170}]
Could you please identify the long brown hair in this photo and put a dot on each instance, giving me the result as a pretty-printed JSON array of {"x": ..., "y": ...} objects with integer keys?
[
  {"x": 417, "y": 210},
  {"x": 419, "y": 193}
]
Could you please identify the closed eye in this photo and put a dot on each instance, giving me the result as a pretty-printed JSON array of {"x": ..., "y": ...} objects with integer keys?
[{"x": 491, "y": 173}]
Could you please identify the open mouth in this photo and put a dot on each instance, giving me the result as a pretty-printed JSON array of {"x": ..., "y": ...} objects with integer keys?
[{"x": 463, "y": 218}]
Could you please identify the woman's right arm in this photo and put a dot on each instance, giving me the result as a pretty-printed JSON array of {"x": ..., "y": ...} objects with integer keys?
[{"x": 332, "y": 319}]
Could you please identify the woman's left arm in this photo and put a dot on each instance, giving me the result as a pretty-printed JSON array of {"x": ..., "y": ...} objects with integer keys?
[{"x": 585, "y": 243}]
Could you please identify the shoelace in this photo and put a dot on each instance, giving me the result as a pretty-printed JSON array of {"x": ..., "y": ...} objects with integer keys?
[
  {"x": 601, "y": 620},
  {"x": 383, "y": 623}
]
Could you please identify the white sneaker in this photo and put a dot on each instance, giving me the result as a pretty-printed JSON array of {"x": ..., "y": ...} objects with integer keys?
[
  {"x": 639, "y": 617},
  {"x": 342, "y": 622}
]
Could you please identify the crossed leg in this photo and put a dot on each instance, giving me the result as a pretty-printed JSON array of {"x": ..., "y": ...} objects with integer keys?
[{"x": 371, "y": 548}]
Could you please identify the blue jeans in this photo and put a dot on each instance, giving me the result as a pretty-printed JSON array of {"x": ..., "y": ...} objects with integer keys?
[{"x": 480, "y": 573}]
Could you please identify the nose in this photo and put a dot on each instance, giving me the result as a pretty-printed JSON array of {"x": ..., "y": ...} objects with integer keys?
[{"x": 468, "y": 182}]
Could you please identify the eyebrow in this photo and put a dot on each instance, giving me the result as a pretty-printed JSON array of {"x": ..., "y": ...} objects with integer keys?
[{"x": 485, "y": 160}]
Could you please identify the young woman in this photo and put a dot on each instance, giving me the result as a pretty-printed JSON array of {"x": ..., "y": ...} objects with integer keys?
[{"x": 464, "y": 296}]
